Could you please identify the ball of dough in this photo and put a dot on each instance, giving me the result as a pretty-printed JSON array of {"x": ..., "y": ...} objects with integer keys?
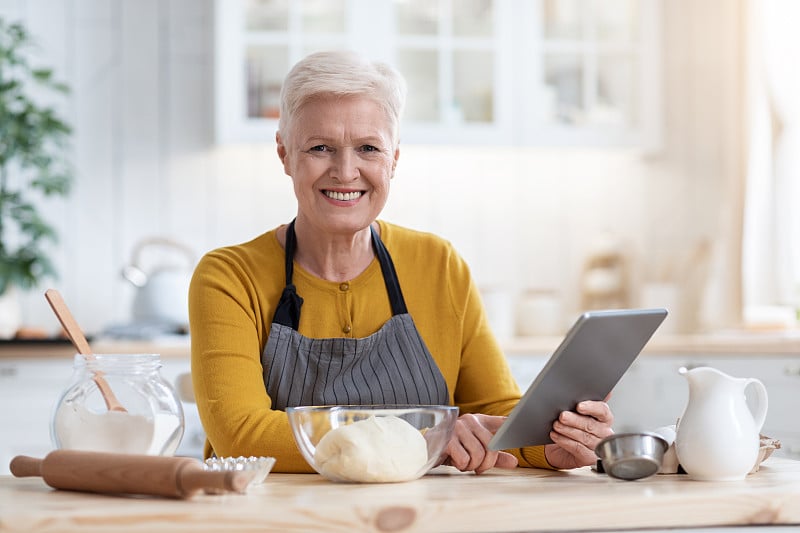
[{"x": 377, "y": 449}]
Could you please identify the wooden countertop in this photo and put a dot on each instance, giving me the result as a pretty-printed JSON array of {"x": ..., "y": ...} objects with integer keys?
[
  {"x": 732, "y": 343},
  {"x": 167, "y": 346},
  {"x": 785, "y": 342},
  {"x": 499, "y": 500}
]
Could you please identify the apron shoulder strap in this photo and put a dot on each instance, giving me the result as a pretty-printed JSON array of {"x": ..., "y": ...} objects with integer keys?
[
  {"x": 288, "y": 311},
  {"x": 389, "y": 275}
]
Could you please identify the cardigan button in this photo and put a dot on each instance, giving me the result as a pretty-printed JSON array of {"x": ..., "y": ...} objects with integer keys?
[
  {"x": 347, "y": 329},
  {"x": 344, "y": 286}
]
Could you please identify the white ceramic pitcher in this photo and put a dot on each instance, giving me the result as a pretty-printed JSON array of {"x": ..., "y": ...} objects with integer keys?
[{"x": 718, "y": 435}]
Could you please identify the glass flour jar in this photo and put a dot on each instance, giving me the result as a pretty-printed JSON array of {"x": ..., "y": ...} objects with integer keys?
[{"x": 152, "y": 422}]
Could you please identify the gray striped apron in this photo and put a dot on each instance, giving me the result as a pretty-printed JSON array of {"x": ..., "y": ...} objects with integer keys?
[{"x": 391, "y": 366}]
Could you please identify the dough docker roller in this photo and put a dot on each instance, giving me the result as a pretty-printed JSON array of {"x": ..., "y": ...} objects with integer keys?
[{"x": 173, "y": 477}]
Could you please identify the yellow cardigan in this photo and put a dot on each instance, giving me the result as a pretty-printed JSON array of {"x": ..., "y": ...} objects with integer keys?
[{"x": 232, "y": 299}]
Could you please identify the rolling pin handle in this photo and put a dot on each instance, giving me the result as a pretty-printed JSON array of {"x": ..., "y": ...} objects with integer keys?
[
  {"x": 192, "y": 480},
  {"x": 24, "y": 466}
]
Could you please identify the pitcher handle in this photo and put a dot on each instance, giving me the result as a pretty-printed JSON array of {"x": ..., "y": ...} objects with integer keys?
[{"x": 760, "y": 408}]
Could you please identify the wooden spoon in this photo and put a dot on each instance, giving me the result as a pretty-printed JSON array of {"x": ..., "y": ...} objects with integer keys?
[{"x": 75, "y": 335}]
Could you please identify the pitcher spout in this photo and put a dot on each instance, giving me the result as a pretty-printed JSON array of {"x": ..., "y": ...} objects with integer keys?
[{"x": 705, "y": 374}]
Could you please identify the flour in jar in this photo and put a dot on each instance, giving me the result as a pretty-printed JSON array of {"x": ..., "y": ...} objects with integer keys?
[
  {"x": 78, "y": 428},
  {"x": 378, "y": 449}
]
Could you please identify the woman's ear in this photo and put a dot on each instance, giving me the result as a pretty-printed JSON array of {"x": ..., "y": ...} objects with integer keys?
[
  {"x": 396, "y": 157},
  {"x": 282, "y": 153},
  {"x": 281, "y": 147}
]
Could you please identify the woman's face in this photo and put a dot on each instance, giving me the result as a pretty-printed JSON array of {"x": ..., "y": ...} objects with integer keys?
[{"x": 341, "y": 158}]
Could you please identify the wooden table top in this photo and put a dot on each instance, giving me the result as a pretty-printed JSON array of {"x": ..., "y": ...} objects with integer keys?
[{"x": 499, "y": 500}]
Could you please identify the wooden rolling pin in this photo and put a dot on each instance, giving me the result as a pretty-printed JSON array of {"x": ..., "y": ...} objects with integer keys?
[{"x": 174, "y": 477}]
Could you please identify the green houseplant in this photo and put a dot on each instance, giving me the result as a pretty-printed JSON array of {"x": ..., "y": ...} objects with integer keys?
[{"x": 33, "y": 161}]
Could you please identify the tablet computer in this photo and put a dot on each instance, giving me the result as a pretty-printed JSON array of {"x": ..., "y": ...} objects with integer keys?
[{"x": 595, "y": 353}]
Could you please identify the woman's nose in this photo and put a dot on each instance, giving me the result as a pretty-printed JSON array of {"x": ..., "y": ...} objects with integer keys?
[{"x": 345, "y": 166}]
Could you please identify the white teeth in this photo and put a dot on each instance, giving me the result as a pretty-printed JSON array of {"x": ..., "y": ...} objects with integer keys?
[{"x": 343, "y": 196}]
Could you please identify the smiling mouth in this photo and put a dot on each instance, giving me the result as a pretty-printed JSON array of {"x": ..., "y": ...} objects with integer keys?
[{"x": 343, "y": 196}]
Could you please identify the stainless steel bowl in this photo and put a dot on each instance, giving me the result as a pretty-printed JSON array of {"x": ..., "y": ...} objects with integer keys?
[{"x": 632, "y": 456}]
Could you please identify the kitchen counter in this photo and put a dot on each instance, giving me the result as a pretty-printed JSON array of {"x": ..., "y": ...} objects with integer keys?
[
  {"x": 785, "y": 342},
  {"x": 166, "y": 346},
  {"x": 747, "y": 343},
  {"x": 499, "y": 500}
]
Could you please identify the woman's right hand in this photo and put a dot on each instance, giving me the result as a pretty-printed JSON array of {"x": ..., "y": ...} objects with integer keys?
[{"x": 468, "y": 448}]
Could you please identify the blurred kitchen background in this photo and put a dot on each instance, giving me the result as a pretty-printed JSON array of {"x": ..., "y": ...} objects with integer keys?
[{"x": 578, "y": 153}]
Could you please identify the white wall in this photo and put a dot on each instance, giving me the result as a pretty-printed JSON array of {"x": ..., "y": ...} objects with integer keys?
[{"x": 142, "y": 107}]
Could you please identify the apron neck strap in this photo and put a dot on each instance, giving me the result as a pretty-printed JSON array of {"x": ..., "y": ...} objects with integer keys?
[
  {"x": 389, "y": 275},
  {"x": 291, "y": 246},
  {"x": 288, "y": 311}
]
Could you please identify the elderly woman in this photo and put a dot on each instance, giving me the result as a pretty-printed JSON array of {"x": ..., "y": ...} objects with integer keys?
[{"x": 338, "y": 307}]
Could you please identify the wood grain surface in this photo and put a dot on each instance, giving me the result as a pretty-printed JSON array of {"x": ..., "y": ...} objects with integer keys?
[{"x": 518, "y": 500}]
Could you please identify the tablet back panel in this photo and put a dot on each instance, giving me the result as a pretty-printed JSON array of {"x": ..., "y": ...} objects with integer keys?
[{"x": 588, "y": 363}]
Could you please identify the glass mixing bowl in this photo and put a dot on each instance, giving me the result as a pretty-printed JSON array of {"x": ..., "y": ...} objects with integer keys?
[{"x": 372, "y": 443}]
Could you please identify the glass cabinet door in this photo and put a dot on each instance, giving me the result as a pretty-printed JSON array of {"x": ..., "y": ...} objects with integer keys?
[
  {"x": 593, "y": 74},
  {"x": 454, "y": 56},
  {"x": 278, "y": 33},
  {"x": 589, "y": 60},
  {"x": 446, "y": 51},
  {"x": 531, "y": 72}
]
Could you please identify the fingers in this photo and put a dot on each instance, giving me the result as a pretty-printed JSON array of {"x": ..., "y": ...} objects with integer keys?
[
  {"x": 506, "y": 460},
  {"x": 492, "y": 423},
  {"x": 597, "y": 410},
  {"x": 585, "y": 429},
  {"x": 578, "y": 434},
  {"x": 468, "y": 448},
  {"x": 469, "y": 445}
]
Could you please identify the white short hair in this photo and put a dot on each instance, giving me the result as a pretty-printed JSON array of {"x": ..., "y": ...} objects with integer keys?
[{"x": 342, "y": 73}]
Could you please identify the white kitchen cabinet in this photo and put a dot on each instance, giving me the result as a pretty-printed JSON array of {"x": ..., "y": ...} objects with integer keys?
[
  {"x": 497, "y": 72},
  {"x": 29, "y": 390},
  {"x": 652, "y": 393}
]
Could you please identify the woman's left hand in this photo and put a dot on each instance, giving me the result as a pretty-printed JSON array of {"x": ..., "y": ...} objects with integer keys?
[
  {"x": 468, "y": 449},
  {"x": 577, "y": 434}
]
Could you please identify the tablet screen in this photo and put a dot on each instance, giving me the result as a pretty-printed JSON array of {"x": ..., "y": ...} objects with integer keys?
[{"x": 592, "y": 358}]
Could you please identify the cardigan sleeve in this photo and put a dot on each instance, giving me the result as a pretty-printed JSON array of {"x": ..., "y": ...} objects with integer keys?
[{"x": 227, "y": 331}]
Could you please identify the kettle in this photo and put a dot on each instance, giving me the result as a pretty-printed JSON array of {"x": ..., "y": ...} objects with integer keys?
[
  {"x": 717, "y": 438},
  {"x": 162, "y": 290}
]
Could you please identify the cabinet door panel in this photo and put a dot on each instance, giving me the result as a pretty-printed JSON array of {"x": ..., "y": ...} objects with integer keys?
[{"x": 490, "y": 72}]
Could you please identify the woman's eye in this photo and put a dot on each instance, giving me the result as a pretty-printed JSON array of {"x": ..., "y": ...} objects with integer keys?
[
  {"x": 318, "y": 148},
  {"x": 369, "y": 148}
]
